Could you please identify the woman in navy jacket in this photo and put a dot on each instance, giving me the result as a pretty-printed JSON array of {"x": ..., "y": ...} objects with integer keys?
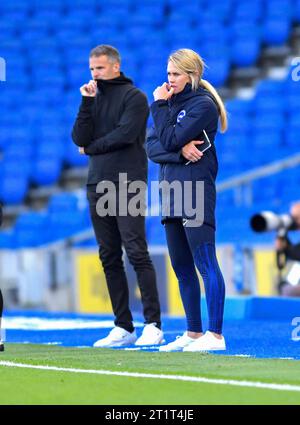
[{"x": 181, "y": 110}]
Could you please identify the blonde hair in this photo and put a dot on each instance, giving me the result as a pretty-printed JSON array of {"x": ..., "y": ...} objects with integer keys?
[{"x": 189, "y": 62}]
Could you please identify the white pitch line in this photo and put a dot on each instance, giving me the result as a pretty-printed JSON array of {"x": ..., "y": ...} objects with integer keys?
[{"x": 251, "y": 384}]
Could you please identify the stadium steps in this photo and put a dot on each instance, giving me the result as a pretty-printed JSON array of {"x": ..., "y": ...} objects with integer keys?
[{"x": 271, "y": 57}]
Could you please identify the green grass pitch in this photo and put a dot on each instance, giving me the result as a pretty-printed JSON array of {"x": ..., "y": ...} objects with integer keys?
[{"x": 33, "y": 386}]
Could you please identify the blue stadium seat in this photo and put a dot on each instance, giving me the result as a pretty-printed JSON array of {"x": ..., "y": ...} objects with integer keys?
[
  {"x": 239, "y": 122},
  {"x": 250, "y": 11},
  {"x": 214, "y": 51},
  {"x": 296, "y": 14},
  {"x": 43, "y": 49},
  {"x": 294, "y": 120},
  {"x": 16, "y": 6},
  {"x": 292, "y": 102},
  {"x": 77, "y": 75},
  {"x": 276, "y": 31},
  {"x": 33, "y": 23},
  {"x": 291, "y": 139},
  {"x": 185, "y": 10},
  {"x": 63, "y": 202},
  {"x": 81, "y": 4},
  {"x": 29, "y": 36},
  {"x": 52, "y": 16},
  {"x": 268, "y": 121},
  {"x": 120, "y": 12},
  {"x": 46, "y": 170},
  {"x": 238, "y": 106},
  {"x": 49, "y": 5},
  {"x": 154, "y": 73},
  {"x": 212, "y": 32},
  {"x": 64, "y": 224},
  {"x": 217, "y": 71},
  {"x": 245, "y": 51},
  {"x": 270, "y": 87},
  {"x": 150, "y": 13},
  {"x": 72, "y": 157},
  {"x": 18, "y": 151},
  {"x": 279, "y": 9},
  {"x": 74, "y": 20},
  {"x": 7, "y": 240},
  {"x": 220, "y": 11},
  {"x": 14, "y": 15},
  {"x": 30, "y": 230},
  {"x": 57, "y": 80},
  {"x": 8, "y": 30},
  {"x": 13, "y": 188},
  {"x": 242, "y": 29},
  {"x": 266, "y": 139},
  {"x": 88, "y": 243},
  {"x": 50, "y": 148},
  {"x": 268, "y": 103}
]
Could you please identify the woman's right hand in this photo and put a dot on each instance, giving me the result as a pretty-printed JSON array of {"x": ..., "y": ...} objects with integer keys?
[{"x": 191, "y": 152}]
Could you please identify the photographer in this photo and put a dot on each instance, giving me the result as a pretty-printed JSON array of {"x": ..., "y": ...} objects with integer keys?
[
  {"x": 291, "y": 251},
  {"x": 1, "y": 298}
]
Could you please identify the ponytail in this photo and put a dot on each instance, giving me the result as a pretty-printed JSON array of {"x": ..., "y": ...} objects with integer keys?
[{"x": 223, "y": 114}]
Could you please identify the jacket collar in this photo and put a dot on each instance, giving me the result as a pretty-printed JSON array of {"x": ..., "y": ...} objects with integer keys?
[
  {"x": 103, "y": 85},
  {"x": 188, "y": 93}
]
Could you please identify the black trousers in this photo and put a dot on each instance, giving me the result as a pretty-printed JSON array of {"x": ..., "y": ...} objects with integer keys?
[{"x": 113, "y": 232}]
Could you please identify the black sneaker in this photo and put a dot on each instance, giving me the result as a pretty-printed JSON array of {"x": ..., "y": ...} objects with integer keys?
[{"x": 1, "y": 346}]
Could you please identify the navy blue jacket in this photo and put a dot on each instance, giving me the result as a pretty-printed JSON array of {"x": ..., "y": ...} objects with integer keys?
[{"x": 176, "y": 123}]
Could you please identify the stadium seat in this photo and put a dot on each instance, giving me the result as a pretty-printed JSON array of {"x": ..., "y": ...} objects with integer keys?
[
  {"x": 72, "y": 157},
  {"x": 64, "y": 201},
  {"x": 46, "y": 170},
  {"x": 14, "y": 183},
  {"x": 251, "y": 12},
  {"x": 217, "y": 71},
  {"x": 245, "y": 51},
  {"x": 276, "y": 31},
  {"x": 30, "y": 230},
  {"x": 279, "y": 8}
]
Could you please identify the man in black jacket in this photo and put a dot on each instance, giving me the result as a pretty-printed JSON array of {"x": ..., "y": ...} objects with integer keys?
[{"x": 110, "y": 128}]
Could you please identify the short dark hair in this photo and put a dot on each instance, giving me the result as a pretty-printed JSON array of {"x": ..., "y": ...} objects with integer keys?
[{"x": 104, "y": 49}]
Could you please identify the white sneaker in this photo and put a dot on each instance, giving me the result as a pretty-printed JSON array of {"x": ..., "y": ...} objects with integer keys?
[
  {"x": 151, "y": 335},
  {"x": 118, "y": 337},
  {"x": 207, "y": 342},
  {"x": 179, "y": 343}
]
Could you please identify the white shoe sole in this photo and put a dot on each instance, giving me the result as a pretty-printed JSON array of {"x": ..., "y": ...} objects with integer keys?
[
  {"x": 204, "y": 349},
  {"x": 116, "y": 344},
  {"x": 140, "y": 344},
  {"x": 170, "y": 350}
]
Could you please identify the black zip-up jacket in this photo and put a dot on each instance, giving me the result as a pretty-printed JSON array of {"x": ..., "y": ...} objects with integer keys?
[{"x": 112, "y": 127}]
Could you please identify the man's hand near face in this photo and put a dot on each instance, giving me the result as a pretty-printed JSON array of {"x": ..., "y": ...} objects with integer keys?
[{"x": 89, "y": 90}]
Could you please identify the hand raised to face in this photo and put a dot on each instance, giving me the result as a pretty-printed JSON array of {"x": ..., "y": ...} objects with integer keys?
[{"x": 163, "y": 92}]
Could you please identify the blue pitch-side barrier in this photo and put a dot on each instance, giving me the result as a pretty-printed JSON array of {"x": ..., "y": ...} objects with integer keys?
[{"x": 253, "y": 326}]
